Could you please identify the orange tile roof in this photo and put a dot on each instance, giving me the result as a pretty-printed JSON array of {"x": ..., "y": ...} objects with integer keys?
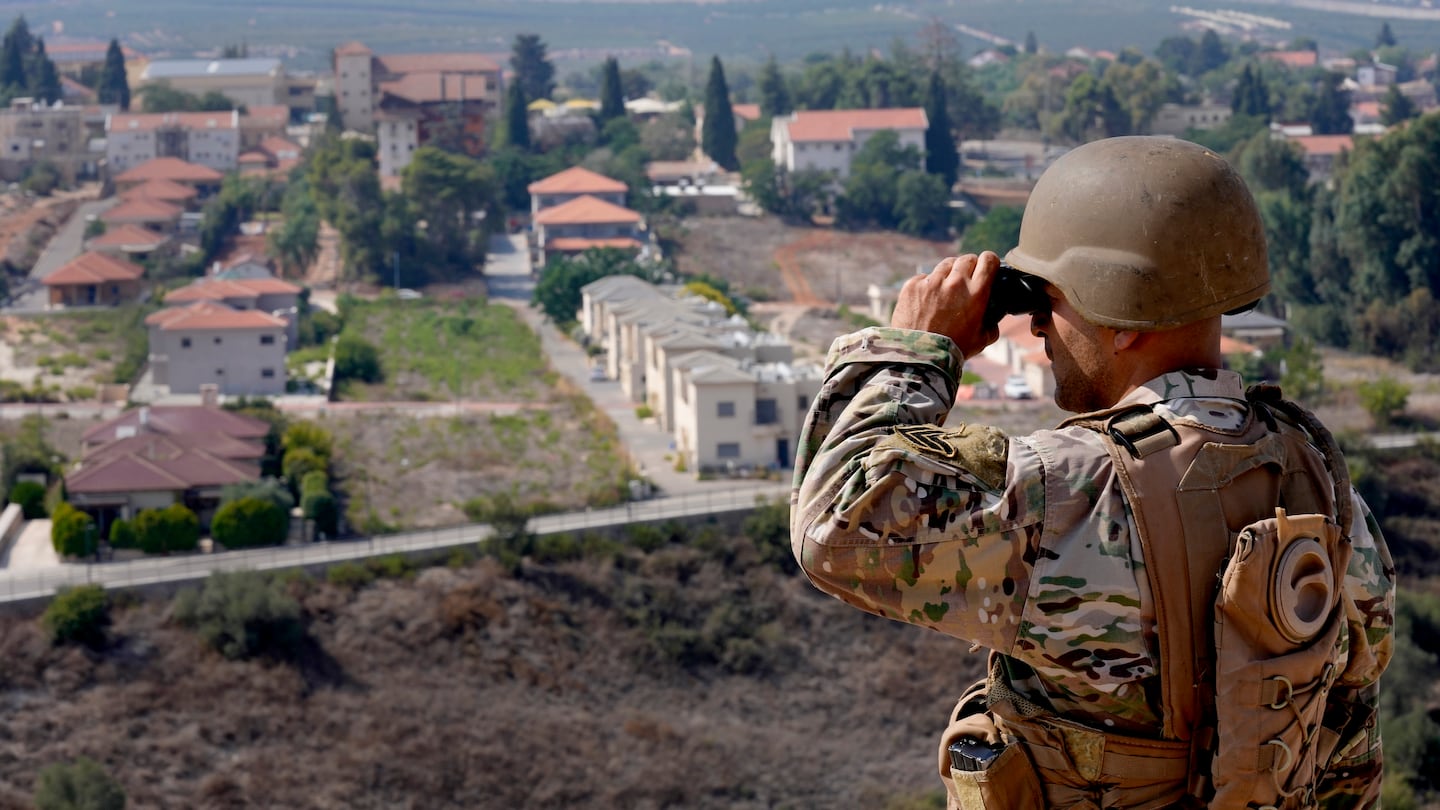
[
  {"x": 841, "y": 125},
  {"x": 280, "y": 148},
  {"x": 165, "y": 190},
  {"x": 177, "y": 470},
  {"x": 1294, "y": 59},
  {"x": 1229, "y": 345},
  {"x": 82, "y": 51},
  {"x": 143, "y": 209},
  {"x": 129, "y": 236},
  {"x": 577, "y": 245},
  {"x": 93, "y": 268},
  {"x": 74, "y": 89},
  {"x": 353, "y": 49},
  {"x": 271, "y": 115},
  {"x": 429, "y": 88},
  {"x": 141, "y": 122},
  {"x": 170, "y": 168},
  {"x": 218, "y": 289},
  {"x": 401, "y": 63},
  {"x": 585, "y": 210},
  {"x": 576, "y": 180},
  {"x": 254, "y": 156},
  {"x": 210, "y": 316},
  {"x": 177, "y": 419},
  {"x": 750, "y": 112},
  {"x": 1320, "y": 145}
]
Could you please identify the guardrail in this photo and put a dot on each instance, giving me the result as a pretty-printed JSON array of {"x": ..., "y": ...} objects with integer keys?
[{"x": 43, "y": 582}]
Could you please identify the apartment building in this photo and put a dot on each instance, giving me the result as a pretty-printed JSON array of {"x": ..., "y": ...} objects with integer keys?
[
  {"x": 827, "y": 140},
  {"x": 209, "y": 139},
  {"x": 240, "y": 352},
  {"x": 248, "y": 82},
  {"x": 31, "y": 132},
  {"x": 367, "y": 84}
]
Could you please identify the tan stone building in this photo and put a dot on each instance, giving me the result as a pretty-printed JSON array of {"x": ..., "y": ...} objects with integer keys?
[
  {"x": 363, "y": 79},
  {"x": 31, "y": 133}
]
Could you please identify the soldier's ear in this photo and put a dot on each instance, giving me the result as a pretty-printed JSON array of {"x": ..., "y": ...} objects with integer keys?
[{"x": 1124, "y": 339}]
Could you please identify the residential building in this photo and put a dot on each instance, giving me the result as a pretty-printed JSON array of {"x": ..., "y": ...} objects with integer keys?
[
  {"x": 248, "y": 82},
  {"x": 272, "y": 156},
  {"x": 571, "y": 184},
  {"x": 241, "y": 352},
  {"x": 730, "y": 415},
  {"x": 588, "y": 222},
  {"x": 259, "y": 123},
  {"x": 1292, "y": 59},
  {"x": 94, "y": 279},
  {"x": 209, "y": 139},
  {"x": 155, "y": 215},
  {"x": 32, "y": 132},
  {"x": 1376, "y": 74},
  {"x": 1321, "y": 152},
  {"x": 155, "y": 456},
  {"x": 447, "y": 83},
  {"x": 162, "y": 190},
  {"x": 1175, "y": 119},
  {"x": 129, "y": 241},
  {"x": 203, "y": 179},
  {"x": 245, "y": 288},
  {"x": 827, "y": 140},
  {"x": 744, "y": 115},
  {"x": 424, "y": 108}
]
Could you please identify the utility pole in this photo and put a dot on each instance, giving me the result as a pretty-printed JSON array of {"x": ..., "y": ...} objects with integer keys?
[{"x": 395, "y": 262}]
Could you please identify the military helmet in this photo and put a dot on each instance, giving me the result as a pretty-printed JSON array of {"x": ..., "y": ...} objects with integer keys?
[{"x": 1144, "y": 233}]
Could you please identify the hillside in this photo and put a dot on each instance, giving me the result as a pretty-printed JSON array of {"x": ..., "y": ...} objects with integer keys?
[{"x": 694, "y": 675}]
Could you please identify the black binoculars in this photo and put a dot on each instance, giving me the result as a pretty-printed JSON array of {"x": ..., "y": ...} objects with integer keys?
[{"x": 1014, "y": 293}]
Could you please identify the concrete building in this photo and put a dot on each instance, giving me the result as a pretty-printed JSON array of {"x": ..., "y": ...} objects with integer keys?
[
  {"x": 363, "y": 80},
  {"x": 257, "y": 292},
  {"x": 588, "y": 222},
  {"x": 417, "y": 109},
  {"x": 32, "y": 132},
  {"x": 209, "y": 139},
  {"x": 249, "y": 82},
  {"x": 240, "y": 352},
  {"x": 827, "y": 140},
  {"x": 571, "y": 184},
  {"x": 1175, "y": 119},
  {"x": 94, "y": 279}
]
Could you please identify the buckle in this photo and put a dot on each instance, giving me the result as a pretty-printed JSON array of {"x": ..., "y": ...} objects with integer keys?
[{"x": 1141, "y": 432}]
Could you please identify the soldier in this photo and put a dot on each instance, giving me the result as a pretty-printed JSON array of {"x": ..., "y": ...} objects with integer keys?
[{"x": 1165, "y": 630}]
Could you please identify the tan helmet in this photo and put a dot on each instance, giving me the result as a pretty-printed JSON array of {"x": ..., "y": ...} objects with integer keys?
[{"x": 1145, "y": 233}]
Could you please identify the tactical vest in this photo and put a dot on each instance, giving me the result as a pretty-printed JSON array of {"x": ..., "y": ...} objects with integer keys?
[{"x": 1244, "y": 537}]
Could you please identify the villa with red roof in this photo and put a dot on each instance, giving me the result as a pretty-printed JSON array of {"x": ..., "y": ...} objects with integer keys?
[
  {"x": 241, "y": 352},
  {"x": 201, "y": 178},
  {"x": 587, "y": 222},
  {"x": 152, "y": 457},
  {"x": 1321, "y": 152},
  {"x": 827, "y": 140},
  {"x": 131, "y": 241},
  {"x": 156, "y": 215},
  {"x": 571, "y": 184},
  {"x": 270, "y": 295},
  {"x": 94, "y": 279},
  {"x": 162, "y": 190}
]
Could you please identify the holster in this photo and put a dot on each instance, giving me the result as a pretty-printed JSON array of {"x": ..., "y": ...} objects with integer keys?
[{"x": 1009, "y": 783}]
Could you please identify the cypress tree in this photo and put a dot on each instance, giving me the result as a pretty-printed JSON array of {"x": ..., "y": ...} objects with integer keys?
[
  {"x": 612, "y": 97},
  {"x": 13, "y": 52},
  {"x": 114, "y": 85},
  {"x": 941, "y": 157},
  {"x": 774, "y": 97},
  {"x": 44, "y": 78},
  {"x": 517, "y": 117},
  {"x": 718, "y": 137}
]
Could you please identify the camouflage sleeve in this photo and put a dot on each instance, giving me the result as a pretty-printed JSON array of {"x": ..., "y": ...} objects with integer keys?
[
  {"x": 1355, "y": 770},
  {"x": 903, "y": 518}
]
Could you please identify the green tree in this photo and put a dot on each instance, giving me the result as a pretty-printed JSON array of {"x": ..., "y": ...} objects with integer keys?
[
  {"x": 533, "y": 70},
  {"x": 77, "y": 614},
  {"x": 44, "y": 78},
  {"x": 761, "y": 181},
  {"x": 517, "y": 119},
  {"x": 1303, "y": 378},
  {"x": 248, "y": 523},
  {"x": 1330, "y": 110},
  {"x": 456, "y": 196},
  {"x": 942, "y": 158},
  {"x": 1396, "y": 107},
  {"x": 122, "y": 534},
  {"x": 1271, "y": 164},
  {"x": 612, "y": 93},
  {"x": 1091, "y": 111},
  {"x": 774, "y": 95},
  {"x": 72, "y": 532},
  {"x": 357, "y": 359},
  {"x": 162, "y": 531},
  {"x": 16, "y": 49},
  {"x": 308, "y": 435},
  {"x": 114, "y": 86},
  {"x": 1384, "y": 399},
  {"x": 27, "y": 450},
  {"x": 296, "y": 241},
  {"x": 1210, "y": 54},
  {"x": 299, "y": 462},
  {"x": 1250, "y": 96},
  {"x": 1386, "y": 37},
  {"x": 1032, "y": 46},
  {"x": 997, "y": 231},
  {"x": 266, "y": 489},
  {"x": 718, "y": 135},
  {"x": 30, "y": 497},
  {"x": 241, "y": 614},
  {"x": 558, "y": 290},
  {"x": 78, "y": 785},
  {"x": 922, "y": 204}
]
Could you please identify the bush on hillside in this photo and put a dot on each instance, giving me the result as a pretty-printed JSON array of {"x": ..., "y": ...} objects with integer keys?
[
  {"x": 78, "y": 785},
  {"x": 249, "y": 522},
  {"x": 122, "y": 534},
  {"x": 321, "y": 508},
  {"x": 241, "y": 614},
  {"x": 71, "y": 531},
  {"x": 162, "y": 531},
  {"x": 356, "y": 359},
  {"x": 77, "y": 615}
]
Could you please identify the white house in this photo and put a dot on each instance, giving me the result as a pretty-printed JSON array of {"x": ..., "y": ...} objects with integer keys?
[
  {"x": 828, "y": 139},
  {"x": 209, "y": 343},
  {"x": 209, "y": 139}
]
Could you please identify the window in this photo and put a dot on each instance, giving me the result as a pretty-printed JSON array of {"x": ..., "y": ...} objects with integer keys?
[
  {"x": 267, "y": 373},
  {"x": 725, "y": 409},
  {"x": 728, "y": 449},
  {"x": 267, "y": 340},
  {"x": 184, "y": 343},
  {"x": 765, "y": 412}
]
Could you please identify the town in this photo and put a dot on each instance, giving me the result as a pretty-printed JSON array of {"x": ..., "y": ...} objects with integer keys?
[{"x": 246, "y": 307}]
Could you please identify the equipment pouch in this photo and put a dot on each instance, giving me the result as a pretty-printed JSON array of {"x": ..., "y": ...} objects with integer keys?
[{"x": 1008, "y": 783}]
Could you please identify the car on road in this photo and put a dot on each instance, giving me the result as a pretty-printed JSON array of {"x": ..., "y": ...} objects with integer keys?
[
  {"x": 597, "y": 373},
  {"x": 1017, "y": 388}
]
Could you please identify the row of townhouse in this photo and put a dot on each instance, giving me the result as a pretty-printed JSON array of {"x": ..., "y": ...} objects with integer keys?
[{"x": 730, "y": 398}]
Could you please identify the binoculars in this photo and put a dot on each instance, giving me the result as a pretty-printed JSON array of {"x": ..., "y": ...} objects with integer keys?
[{"x": 1014, "y": 293}]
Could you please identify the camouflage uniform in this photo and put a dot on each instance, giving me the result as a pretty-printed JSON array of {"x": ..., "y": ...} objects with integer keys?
[{"x": 1025, "y": 544}]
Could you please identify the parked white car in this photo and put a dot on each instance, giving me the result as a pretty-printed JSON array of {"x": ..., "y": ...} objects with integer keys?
[{"x": 1016, "y": 388}]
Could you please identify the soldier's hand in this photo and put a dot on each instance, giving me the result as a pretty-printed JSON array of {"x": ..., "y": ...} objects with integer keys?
[{"x": 950, "y": 301}]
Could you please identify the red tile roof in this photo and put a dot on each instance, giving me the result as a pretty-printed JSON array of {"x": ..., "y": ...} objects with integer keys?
[
  {"x": 280, "y": 148},
  {"x": 170, "y": 469},
  {"x": 1319, "y": 145},
  {"x": 430, "y": 88},
  {"x": 143, "y": 209},
  {"x": 166, "y": 190},
  {"x": 586, "y": 210},
  {"x": 170, "y": 168},
  {"x": 353, "y": 49},
  {"x": 841, "y": 125},
  {"x": 268, "y": 115},
  {"x": 576, "y": 245},
  {"x": 210, "y": 316},
  {"x": 749, "y": 112},
  {"x": 401, "y": 63},
  {"x": 141, "y": 122},
  {"x": 176, "y": 419},
  {"x": 577, "y": 180},
  {"x": 71, "y": 88},
  {"x": 217, "y": 289},
  {"x": 129, "y": 237},
  {"x": 1294, "y": 59},
  {"x": 93, "y": 268},
  {"x": 152, "y": 444}
]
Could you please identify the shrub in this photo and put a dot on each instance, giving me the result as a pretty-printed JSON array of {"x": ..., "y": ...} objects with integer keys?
[
  {"x": 313, "y": 482},
  {"x": 241, "y": 614},
  {"x": 79, "y": 614},
  {"x": 122, "y": 535},
  {"x": 299, "y": 463},
  {"x": 249, "y": 522},
  {"x": 31, "y": 498},
  {"x": 356, "y": 359},
  {"x": 309, "y": 436},
  {"x": 392, "y": 566},
  {"x": 321, "y": 508},
  {"x": 1384, "y": 399},
  {"x": 349, "y": 575},
  {"x": 78, "y": 785},
  {"x": 71, "y": 531},
  {"x": 161, "y": 531},
  {"x": 266, "y": 489}
]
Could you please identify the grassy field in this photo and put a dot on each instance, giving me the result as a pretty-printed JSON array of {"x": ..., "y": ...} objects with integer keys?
[{"x": 65, "y": 356}]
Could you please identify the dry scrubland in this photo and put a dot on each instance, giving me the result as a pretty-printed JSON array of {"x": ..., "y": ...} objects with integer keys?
[{"x": 693, "y": 675}]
